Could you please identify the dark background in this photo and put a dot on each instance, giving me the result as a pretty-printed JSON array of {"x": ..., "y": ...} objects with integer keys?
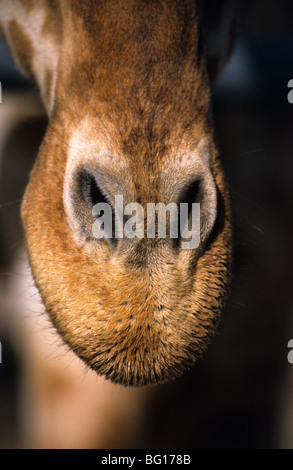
[{"x": 240, "y": 395}]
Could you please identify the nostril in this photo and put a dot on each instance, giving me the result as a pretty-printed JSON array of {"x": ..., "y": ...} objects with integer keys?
[
  {"x": 197, "y": 211},
  {"x": 190, "y": 195},
  {"x": 85, "y": 196},
  {"x": 90, "y": 190}
]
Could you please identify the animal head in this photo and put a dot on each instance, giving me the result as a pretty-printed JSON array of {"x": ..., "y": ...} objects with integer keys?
[{"x": 127, "y": 91}]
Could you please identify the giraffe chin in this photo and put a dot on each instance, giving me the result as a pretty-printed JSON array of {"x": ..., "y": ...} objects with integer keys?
[
  {"x": 132, "y": 333},
  {"x": 125, "y": 329}
]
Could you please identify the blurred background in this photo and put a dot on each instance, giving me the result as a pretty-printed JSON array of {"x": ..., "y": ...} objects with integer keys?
[{"x": 240, "y": 395}]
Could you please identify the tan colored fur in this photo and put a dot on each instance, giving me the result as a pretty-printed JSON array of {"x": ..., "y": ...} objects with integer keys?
[
  {"x": 23, "y": 24},
  {"x": 130, "y": 80}
]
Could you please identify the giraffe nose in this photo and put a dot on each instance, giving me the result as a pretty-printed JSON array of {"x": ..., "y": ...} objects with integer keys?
[{"x": 182, "y": 214}]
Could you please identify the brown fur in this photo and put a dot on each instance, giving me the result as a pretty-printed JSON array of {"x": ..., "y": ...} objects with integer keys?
[
  {"x": 29, "y": 5},
  {"x": 23, "y": 47},
  {"x": 53, "y": 25},
  {"x": 132, "y": 79},
  {"x": 48, "y": 85}
]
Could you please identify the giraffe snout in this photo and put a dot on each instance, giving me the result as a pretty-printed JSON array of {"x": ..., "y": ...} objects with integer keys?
[{"x": 178, "y": 210}]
